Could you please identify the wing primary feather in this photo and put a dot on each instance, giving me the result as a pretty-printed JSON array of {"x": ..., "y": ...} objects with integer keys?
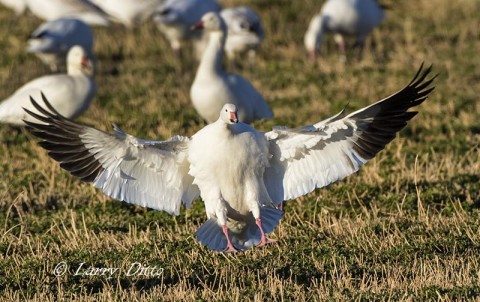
[
  {"x": 42, "y": 118},
  {"x": 419, "y": 71},
  {"x": 89, "y": 175},
  {"x": 57, "y": 148},
  {"x": 61, "y": 137},
  {"x": 393, "y": 114},
  {"x": 123, "y": 166},
  {"x": 339, "y": 145},
  {"x": 49, "y": 106},
  {"x": 62, "y": 156}
]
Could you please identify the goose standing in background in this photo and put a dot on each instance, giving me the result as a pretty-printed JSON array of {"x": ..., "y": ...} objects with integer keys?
[
  {"x": 245, "y": 31},
  {"x": 52, "y": 40},
  {"x": 18, "y": 6},
  {"x": 213, "y": 87},
  {"x": 241, "y": 174},
  {"x": 130, "y": 13},
  {"x": 174, "y": 18},
  {"x": 70, "y": 93},
  {"x": 343, "y": 17},
  {"x": 80, "y": 9}
]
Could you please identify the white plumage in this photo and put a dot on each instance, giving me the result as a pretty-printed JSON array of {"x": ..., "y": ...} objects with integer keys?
[
  {"x": 80, "y": 9},
  {"x": 18, "y": 6},
  {"x": 174, "y": 19},
  {"x": 245, "y": 31},
  {"x": 213, "y": 87},
  {"x": 343, "y": 17},
  {"x": 128, "y": 12},
  {"x": 70, "y": 93},
  {"x": 52, "y": 40},
  {"x": 241, "y": 174}
]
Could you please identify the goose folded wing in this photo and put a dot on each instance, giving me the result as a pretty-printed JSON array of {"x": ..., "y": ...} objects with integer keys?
[
  {"x": 151, "y": 174},
  {"x": 317, "y": 155}
]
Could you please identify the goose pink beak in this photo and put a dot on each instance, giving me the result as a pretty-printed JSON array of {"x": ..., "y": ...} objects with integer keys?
[
  {"x": 199, "y": 25},
  {"x": 233, "y": 117},
  {"x": 85, "y": 62}
]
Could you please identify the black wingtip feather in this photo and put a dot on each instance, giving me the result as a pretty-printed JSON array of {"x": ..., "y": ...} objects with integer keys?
[
  {"x": 61, "y": 137},
  {"x": 50, "y": 107},
  {"x": 39, "y": 117},
  {"x": 381, "y": 121},
  {"x": 64, "y": 157},
  {"x": 416, "y": 75},
  {"x": 420, "y": 75},
  {"x": 50, "y": 146}
]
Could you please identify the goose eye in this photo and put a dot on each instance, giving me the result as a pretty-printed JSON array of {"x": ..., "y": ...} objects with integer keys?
[{"x": 226, "y": 110}]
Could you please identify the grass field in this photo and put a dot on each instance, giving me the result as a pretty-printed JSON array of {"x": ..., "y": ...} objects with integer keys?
[{"x": 406, "y": 227}]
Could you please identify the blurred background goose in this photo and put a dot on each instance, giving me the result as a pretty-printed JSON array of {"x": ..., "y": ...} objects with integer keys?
[
  {"x": 70, "y": 93},
  {"x": 343, "y": 17},
  {"x": 18, "y": 6},
  {"x": 80, "y": 9},
  {"x": 52, "y": 40},
  {"x": 174, "y": 18},
  {"x": 213, "y": 87},
  {"x": 130, "y": 13},
  {"x": 245, "y": 31}
]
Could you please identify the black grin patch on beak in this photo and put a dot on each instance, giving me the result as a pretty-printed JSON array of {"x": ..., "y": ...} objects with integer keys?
[{"x": 233, "y": 121}]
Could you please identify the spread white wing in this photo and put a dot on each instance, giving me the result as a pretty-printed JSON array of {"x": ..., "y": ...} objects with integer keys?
[
  {"x": 152, "y": 174},
  {"x": 314, "y": 156}
]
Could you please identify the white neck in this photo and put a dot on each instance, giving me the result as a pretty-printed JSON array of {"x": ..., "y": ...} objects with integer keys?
[
  {"x": 76, "y": 70},
  {"x": 223, "y": 126},
  {"x": 313, "y": 37},
  {"x": 211, "y": 62}
]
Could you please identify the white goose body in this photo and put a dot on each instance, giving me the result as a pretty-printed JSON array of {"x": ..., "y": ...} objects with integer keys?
[
  {"x": 217, "y": 174},
  {"x": 128, "y": 12},
  {"x": 81, "y": 9},
  {"x": 242, "y": 174},
  {"x": 52, "y": 40},
  {"x": 237, "y": 208},
  {"x": 213, "y": 87},
  {"x": 70, "y": 94}
]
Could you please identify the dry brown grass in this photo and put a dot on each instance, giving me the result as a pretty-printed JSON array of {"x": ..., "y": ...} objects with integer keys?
[{"x": 406, "y": 227}]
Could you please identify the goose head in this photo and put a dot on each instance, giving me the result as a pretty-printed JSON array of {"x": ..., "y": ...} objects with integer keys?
[
  {"x": 211, "y": 22},
  {"x": 78, "y": 61},
  {"x": 229, "y": 114}
]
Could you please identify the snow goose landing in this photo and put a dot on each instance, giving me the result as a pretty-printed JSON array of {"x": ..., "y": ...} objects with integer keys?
[
  {"x": 52, "y": 40},
  {"x": 69, "y": 93},
  {"x": 213, "y": 87},
  {"x": 343, "y": 17},
  {"x": 240, "y": 173}
]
